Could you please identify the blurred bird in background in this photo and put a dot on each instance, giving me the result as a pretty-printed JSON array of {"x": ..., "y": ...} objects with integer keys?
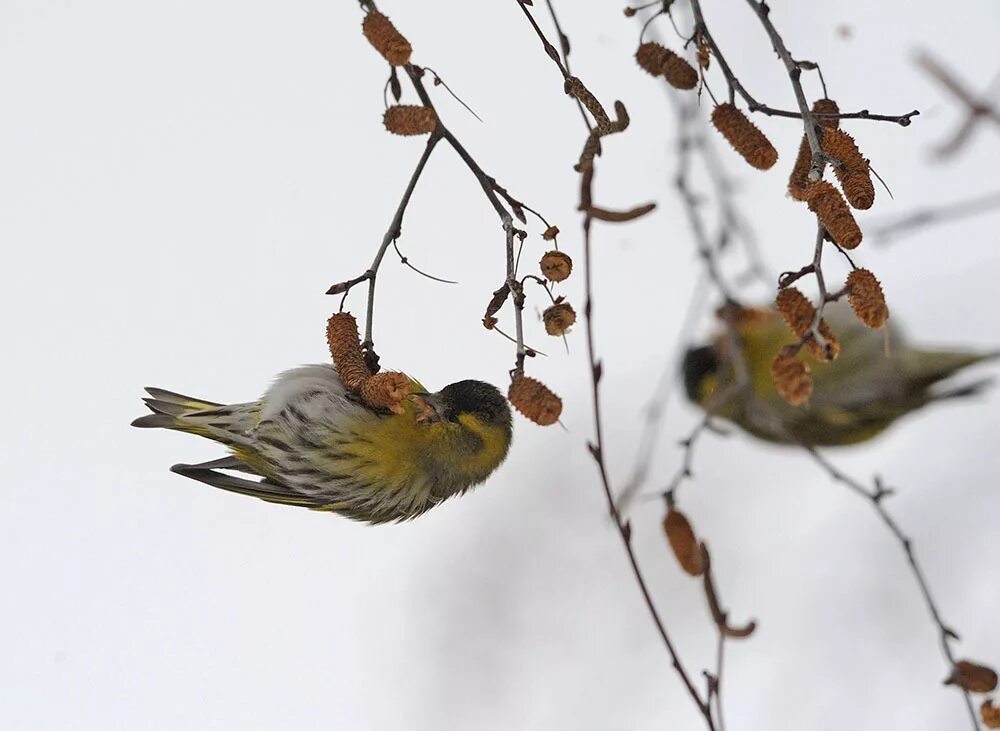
[
  {"x": 854, "y": 398},
  {"x": 317, "y": 445}
]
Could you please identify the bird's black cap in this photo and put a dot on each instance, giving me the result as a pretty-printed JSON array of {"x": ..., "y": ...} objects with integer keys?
[{"x": 698, "y": 363}]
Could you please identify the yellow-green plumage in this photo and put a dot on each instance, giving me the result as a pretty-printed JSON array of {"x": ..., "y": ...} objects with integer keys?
[
  {"x": 316, "y": 446},
  {"x": 870, "y": 385}
]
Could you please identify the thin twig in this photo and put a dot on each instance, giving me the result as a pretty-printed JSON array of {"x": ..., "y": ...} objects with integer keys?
[
  {"x": 876, "y": 497},
  {"x": 603, "y": 126}
]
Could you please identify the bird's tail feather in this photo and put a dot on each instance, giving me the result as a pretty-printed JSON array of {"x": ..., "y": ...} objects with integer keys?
[
  {"x": 969, "y": 389},
  {"x": 209, "y": 419}
]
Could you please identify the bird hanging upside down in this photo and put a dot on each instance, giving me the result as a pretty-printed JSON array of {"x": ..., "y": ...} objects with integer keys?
[
  {"x": 854, "y": 397},
  {"x": 316, "y": 445}
]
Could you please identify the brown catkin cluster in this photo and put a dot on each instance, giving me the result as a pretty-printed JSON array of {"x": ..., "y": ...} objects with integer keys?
[
  {"x": 854, "y": 177},
  {"x": 381, "y": 391},
  {"x": 990, "y": 714},
  {"x": 556, "y": 266},
  {"x": 534, "y": 399},
  {"x": 409, "y": 119},
  {"x": 683, "y": 542},
  {"x": 558, "y": 318},
  {"x": 660, "y": 61},
  {"x": 744, "y": 136},
  {"x": 973, "y": 677},
  {"x": 797, "y": 310},
  {"x": 864, "y": 293},
  {"x": 829, "y": 206},
  {"x": 792, "y": 378},
  {"x": 388, "y": 41},
  {"x": 798, "y": 181}
]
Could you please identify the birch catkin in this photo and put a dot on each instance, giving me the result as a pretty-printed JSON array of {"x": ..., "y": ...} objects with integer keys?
[{"x": 744, "y": 136}]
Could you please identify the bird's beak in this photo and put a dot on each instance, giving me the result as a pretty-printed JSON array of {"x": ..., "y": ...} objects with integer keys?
[{"x": 429, "y": 407}]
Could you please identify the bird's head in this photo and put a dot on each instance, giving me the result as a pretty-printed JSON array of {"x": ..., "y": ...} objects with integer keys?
[
  {"x": 700, "y": 369},
  {"x": 473, "y": 427},
  {"x": 467, "y": 402}
]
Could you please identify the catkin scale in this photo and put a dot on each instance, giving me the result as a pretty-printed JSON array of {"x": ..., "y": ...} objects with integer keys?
[
  {"x": 384, "y": 37},
  {"x": 864, "y": 293},
  {"x": 409, "y": 119},
  {"x": 829, "y": 206},
  {"x": 744, "y": 136},
  {"x": 791, "y": 377},
  {"x": 535, "y": 400},
  {"x": 854, "y": 177}
]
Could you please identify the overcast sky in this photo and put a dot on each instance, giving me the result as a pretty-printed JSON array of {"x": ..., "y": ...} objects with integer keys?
[{"x": 181, "y": 181}]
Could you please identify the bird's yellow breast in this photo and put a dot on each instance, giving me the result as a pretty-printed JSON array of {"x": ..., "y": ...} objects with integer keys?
[{"x": 398, "y": 453}]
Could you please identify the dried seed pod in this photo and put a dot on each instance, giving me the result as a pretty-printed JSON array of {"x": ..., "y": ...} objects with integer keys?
[
  {"x": 972, "y": 677},
  {"x": 792, "y": 378},
  {"x": 679, "y": 73},
  {"x": 651, "y": 57},
  {"x": 990, "y": 714},
  {"x": 866, "y": 298},
  {"x": 409, "y": 119},
  {"x": 854, "y": 177},
  {"x": 797, "y": 310},
  {"x": 826, "y": 107},
  {"x": 550, "y": 233},
  {"x": 683, "y": 542},
  {"x": 828, "y": 352},
  {"x": 345, "y": 350},
  {"x": 829, "y": 206},
  {"x": 534, "y": 399},
  {"x": 386, "y": 390},
  {"x": 388, "y": 41},
  {"x": 558, "y": 318},
  {"x": 744, "y": 136},
  {"x": 556, "y": 266}
]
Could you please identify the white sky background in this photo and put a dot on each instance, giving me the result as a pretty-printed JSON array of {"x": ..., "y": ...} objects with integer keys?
[{"x": 181, "y": 181}]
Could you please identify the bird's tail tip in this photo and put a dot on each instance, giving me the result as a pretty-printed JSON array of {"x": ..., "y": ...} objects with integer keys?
[{"x": 153, "y": 421}]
